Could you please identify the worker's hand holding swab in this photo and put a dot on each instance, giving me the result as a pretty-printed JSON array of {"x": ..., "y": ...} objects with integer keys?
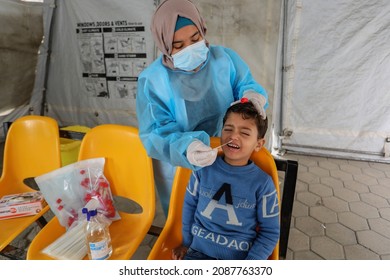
[{"x": 201, "y": 155}]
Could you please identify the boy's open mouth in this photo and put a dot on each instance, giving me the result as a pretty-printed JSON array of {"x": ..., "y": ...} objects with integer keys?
[{"x": 233, "y": 146}]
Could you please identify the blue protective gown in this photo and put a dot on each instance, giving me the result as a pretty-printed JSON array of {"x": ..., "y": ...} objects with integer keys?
[{"x": 175, "y": 107}]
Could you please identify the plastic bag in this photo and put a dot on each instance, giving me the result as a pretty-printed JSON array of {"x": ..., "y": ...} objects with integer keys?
[
  {"x": 68, "y": 189},
  {"x": 72, "y": 244}
]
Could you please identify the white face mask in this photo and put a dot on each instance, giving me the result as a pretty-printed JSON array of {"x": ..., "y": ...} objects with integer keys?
[{"x": 191, "y": 57}]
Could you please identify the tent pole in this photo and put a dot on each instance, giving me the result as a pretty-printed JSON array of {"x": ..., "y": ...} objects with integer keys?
[
  {"x": 44, "y": 107},
  {"x": 277, "y": 133}
]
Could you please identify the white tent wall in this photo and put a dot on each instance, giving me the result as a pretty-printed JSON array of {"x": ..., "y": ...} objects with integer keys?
[
  {"x": 250, "y": 27},
  {"x": 20, "y": 37},
  {"x": 97, "y": 50},
  {"x": 334, "y": 96},
  {"x": 69, "y": 92}
]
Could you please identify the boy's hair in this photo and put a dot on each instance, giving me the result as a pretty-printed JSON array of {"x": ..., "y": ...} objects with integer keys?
[{"x": 248, "y": 111}]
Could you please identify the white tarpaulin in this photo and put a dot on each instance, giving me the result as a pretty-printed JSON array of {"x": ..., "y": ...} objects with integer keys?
[
  {"x": 20, "y": 37},
  {"x": 98, "y": 48},
  {"x": 335, "y": 92},
  {"x": 330, "y": 95}
]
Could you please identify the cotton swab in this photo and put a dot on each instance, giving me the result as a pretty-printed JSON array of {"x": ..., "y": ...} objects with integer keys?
[{"x": 220, "y": 146}]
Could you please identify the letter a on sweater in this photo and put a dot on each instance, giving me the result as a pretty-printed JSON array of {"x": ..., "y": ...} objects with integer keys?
[{"x": 225, "y": 189}]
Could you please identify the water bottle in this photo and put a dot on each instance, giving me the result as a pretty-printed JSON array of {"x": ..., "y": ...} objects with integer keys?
[{"x": 97, "y": 237}]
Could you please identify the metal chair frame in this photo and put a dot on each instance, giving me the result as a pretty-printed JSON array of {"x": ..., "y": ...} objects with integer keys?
[{"x": 290, "y": 168}]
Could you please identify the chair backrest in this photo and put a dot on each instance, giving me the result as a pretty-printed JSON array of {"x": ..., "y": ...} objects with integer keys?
[
  {"x": 127, "y": 165},
  {"x": 129, "y": 170},
  {"x": 171, "y": 235},
  {"x": 32, "y": 148},
  {"x": 266, "y": 162},
  {"x": 130, "y": 173}
]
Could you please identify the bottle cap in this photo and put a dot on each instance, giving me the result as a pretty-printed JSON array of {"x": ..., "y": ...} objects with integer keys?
[{"x": 90, "y": 213}]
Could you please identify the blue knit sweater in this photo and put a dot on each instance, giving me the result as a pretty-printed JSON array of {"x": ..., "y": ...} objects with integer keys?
[{"x": 231, "y": 212}]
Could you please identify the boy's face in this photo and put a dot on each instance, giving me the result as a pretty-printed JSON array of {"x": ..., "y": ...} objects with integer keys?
[{"x": 243, "y": 134}]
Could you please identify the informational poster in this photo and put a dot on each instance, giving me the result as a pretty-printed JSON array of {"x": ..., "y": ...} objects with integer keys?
[
  {"x": 97, "y": 50},
  {"x": 113, "y": 53}
]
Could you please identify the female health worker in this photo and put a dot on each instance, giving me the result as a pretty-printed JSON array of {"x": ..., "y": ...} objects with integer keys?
[{"x": 183, "y": 95}]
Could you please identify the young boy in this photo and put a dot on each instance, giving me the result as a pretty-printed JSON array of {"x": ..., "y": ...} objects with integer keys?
[{"x": 231, "y": 208}]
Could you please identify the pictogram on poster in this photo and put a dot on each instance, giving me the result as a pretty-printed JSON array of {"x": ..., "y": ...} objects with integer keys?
[{"x": 113, "y": 53}]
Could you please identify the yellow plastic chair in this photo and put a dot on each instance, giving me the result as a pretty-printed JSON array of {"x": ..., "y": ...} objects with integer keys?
[
  {"x": 130, "y": 173},
  {"x": 171, "y": 234},
  {"x": 32, "y": 148}
]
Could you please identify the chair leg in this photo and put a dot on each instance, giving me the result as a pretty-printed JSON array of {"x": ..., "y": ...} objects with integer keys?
[
  {"x": 11, "y": 252},
  {"x": 155, "y": 230},
  {"x": 41, "y": 222}
]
